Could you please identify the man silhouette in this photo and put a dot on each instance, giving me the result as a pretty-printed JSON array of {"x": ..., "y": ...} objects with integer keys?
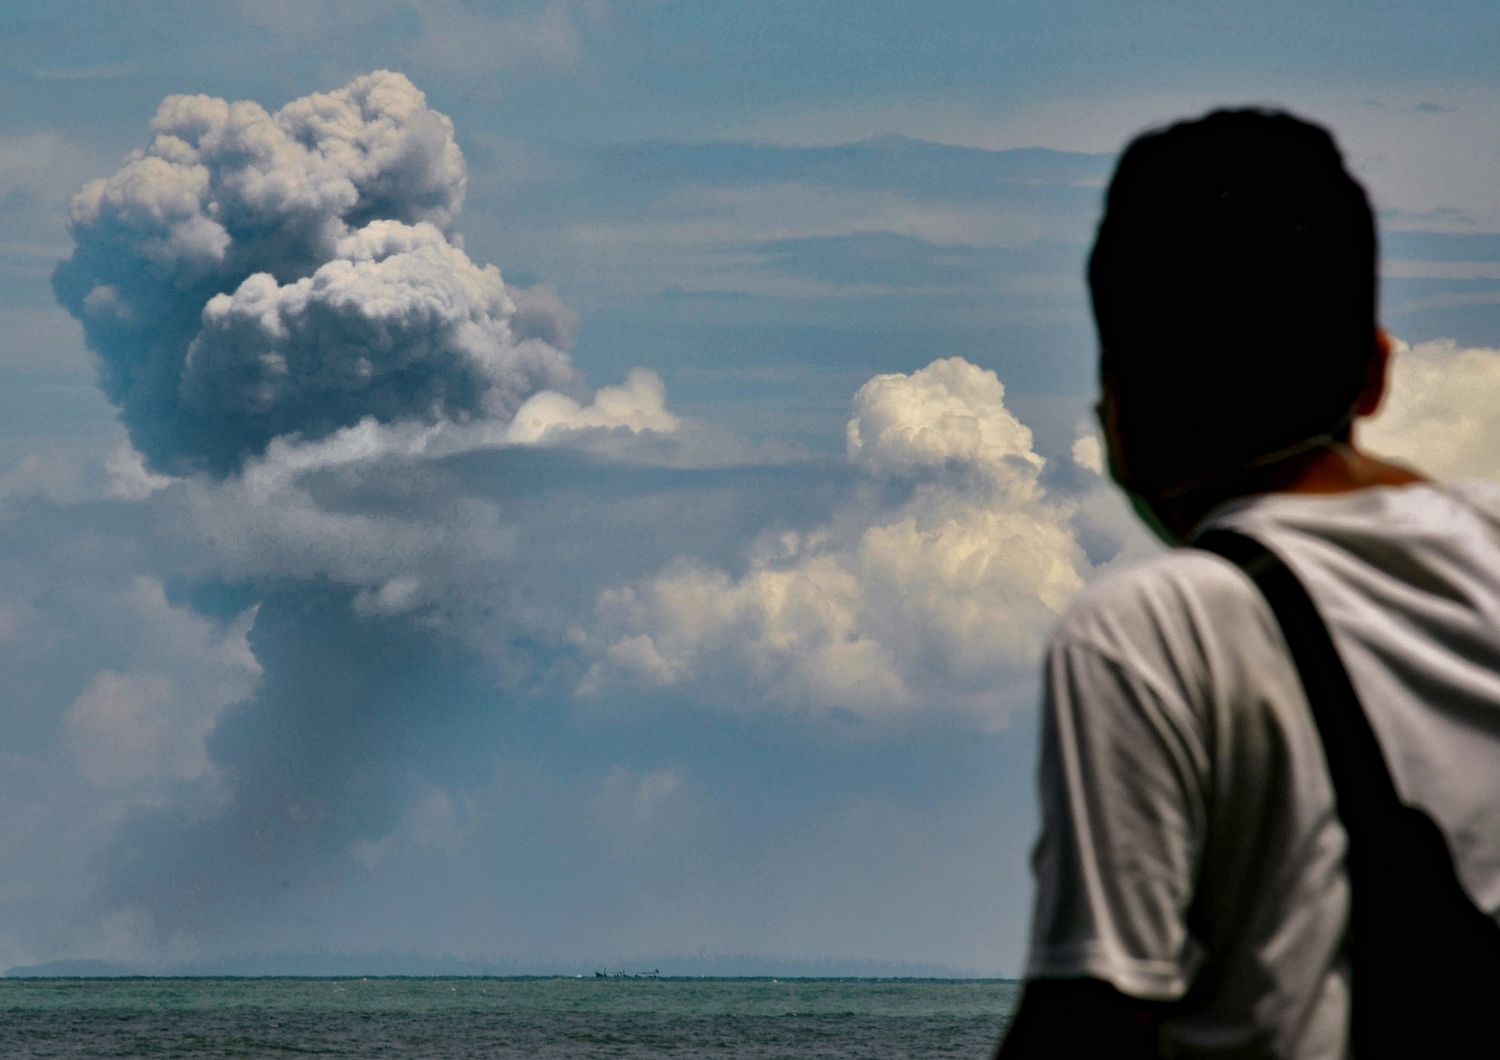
[{"x": 1193, "y": 897}]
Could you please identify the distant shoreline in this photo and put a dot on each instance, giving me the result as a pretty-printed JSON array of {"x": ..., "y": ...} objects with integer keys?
[
  {"x": 24, "y": 975},
  {"x": 373, "y": 965}
]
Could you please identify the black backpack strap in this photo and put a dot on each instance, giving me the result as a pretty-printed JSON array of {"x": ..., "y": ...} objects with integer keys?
[
  {"x": 1425, "y": 958},
  {"x": 1364, "y": 792}
]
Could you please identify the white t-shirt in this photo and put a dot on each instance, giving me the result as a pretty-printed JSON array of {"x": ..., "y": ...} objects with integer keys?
[{"x": 1189, "y": 845}]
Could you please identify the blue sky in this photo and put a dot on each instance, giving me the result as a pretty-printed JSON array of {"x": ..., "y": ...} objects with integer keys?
[{"x": 676, "y": 589}]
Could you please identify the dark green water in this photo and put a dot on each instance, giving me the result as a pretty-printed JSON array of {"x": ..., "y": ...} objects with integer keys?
[{"x": 541, "y": 1018}]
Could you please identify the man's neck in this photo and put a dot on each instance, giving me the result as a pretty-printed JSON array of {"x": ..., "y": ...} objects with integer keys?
[{"x": 1337, "y": 468}]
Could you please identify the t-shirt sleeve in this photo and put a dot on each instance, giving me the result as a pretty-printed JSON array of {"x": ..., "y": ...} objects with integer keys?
[{"x": 1122, "y": 812}]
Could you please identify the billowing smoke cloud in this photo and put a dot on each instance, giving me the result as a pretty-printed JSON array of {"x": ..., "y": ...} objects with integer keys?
[
  {"x": 248, "y": 275},
  {"x": 281, "y": 300}
]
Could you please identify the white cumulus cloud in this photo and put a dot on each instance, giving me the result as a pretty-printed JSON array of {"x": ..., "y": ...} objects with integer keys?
[
  {"x": 932, "y": 603},
  {"x": 639, "y": 404},
  {"x": 949, "y": 414},
  {"x": 1439, "y": 411}
]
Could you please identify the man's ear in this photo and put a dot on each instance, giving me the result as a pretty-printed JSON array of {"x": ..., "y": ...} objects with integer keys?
[{"x": 1375, "y": 376}]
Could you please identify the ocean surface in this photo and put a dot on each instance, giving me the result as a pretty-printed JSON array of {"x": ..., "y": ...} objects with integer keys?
[{"x": 482, "y": 1017}]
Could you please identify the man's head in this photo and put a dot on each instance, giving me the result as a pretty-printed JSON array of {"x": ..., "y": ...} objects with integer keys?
[{"x": 1233, "y": 282}]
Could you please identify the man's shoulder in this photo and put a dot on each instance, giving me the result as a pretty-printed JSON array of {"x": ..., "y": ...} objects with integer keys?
[
  {"x": 1178, "y": 571},
  {"x": 1179, "y": 592}
]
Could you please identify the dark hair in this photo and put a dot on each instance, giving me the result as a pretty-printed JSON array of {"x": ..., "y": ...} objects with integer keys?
[{"x": 1233, "y": 284}]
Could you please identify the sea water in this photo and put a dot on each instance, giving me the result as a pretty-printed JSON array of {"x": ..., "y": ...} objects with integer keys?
[{"x": 483, "y": 1017}]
